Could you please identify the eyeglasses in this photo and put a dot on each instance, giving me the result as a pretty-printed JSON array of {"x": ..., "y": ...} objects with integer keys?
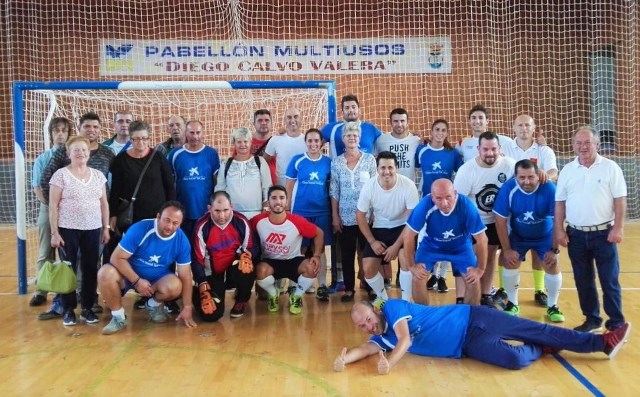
[{"x": 140, "y": 139}]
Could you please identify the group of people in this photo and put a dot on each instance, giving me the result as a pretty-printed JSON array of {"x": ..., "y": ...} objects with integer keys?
[{"x": 266, "y": 214}]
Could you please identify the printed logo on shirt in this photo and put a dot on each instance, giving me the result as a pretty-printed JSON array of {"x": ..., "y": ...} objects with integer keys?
[
  {"x": 275, "y": 238},
  {"x": 314, "y": 176},
  {"x": 502, "y": 177},
  {"x": 448, "y": 234},
  {"x": 314, "y": 179},
  {"x": 527, "y": 215},
  {"x": 436, "y": 166},
  {"x": 153, "y": 261},
  {"x": 193, "y": 171},
  {"x": 486, "y": 197}
]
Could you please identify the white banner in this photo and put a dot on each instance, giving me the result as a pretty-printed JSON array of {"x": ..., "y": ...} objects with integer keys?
[{"x": 274, "y": 57}]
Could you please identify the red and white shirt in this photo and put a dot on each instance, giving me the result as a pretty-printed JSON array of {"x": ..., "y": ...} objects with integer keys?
[{"x": 284, "y": 240}]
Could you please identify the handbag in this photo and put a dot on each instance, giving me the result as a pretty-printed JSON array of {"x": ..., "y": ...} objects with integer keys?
[
  {"x": 57, "y": 276},
  {"x": 124, "y": 219}
]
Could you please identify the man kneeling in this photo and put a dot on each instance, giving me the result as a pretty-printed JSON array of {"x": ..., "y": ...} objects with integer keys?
[{"x": 142, "y": 262}]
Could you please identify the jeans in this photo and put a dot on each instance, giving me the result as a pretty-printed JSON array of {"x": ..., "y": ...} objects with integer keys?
[
  {"x": 45, "y": 252},
  {"x": 490, "y": 329},
  {"x": 585, "y": 248}
]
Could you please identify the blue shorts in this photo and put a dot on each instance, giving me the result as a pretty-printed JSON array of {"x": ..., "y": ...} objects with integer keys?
[
  {"x": 152, "y": 278},
  {"x": 522, "y": 247},
  {"x": 324, "y": 223},
  {"x": 460, "y": 261}
]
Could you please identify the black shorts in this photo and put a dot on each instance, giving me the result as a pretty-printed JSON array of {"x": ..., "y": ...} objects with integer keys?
[
  {"x": 387, "y": 236},
  {"x": 285, "y": 268},
  {"x": 492, "y": 235}
]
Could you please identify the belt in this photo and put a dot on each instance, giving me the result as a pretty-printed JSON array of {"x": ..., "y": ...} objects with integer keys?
[{"x": 594, "y": 228}]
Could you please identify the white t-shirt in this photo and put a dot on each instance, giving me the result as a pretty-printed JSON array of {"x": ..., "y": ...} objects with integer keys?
[
  {"x": 468, "y": 148},
  {"x": 481, "y": 185},
  {"x": 589, "y": 192},
  {"x": 543, "y": 155},
  {"x": 404, "y": 149},
  {"x": 284, "y": 148},
  {"x": 388, "y": 206}
]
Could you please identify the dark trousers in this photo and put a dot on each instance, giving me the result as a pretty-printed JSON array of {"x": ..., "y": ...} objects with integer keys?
[
  {"x": 88, "y": 243},
  {"x": 350, "y": 239},
  {"x": 243, "y": 283}
]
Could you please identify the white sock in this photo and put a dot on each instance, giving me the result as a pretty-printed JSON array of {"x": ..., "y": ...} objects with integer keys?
[
  {"x": 153, "y": 303},
  {"x": 118, "y": 313},
  {"x": 322, "y": 274},
  {"x": 406, "y": 284},
  {"x": 442, "y": 269},
  {"x": 268, "y": 284},
  {"x": 377, "y": 285},
  {"x": 511, "y": 279},
  {"x": 304, "y": 283},
  {"x": 553, "y": 282}
]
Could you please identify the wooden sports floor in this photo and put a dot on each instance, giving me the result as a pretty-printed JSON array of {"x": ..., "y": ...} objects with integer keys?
[{"x": 279, "y": 354}]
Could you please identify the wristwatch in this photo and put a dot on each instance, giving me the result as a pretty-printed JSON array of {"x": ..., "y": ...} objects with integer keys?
[{"x": 555, "y": 251}]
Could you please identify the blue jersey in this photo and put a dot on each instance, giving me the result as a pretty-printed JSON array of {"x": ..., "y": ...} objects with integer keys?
[
  {"x": 311, "y": 191},
  {"x": 445, "y": 233},
  {"x": 530, "y": 214},
  {"x": 151, "y": 254},
  {"x": 436, "y": 331},
  {"x": 332, "y": 133},
  {"x": 436, "y": 164},
  {"x": 194, "y": 173}
]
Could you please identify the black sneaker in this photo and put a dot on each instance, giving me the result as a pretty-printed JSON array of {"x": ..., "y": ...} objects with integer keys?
[
  {"x": 442, "y": 285},
  {"x": 172, "y": 307},
  {"x": 88, "y": 316},
  {"x": 347, "y": 297},
  {"x": 431, "y": 284},
  {"x": 487, "y": 300},
  {"x": 37, "y": 300},
  {"x": 589, "y": 326},
  {"x": 69, "y": 318},
  {"x": 322, "y": 294},
  {"x": 500, "y": 295},
  {"x": 541, "y": 298},
  {"x": 459, "y": 301},
  {"x": 238, "y": 309},
  {"x": 96, "y": 308},
  {"x": 141, "y": 303}
]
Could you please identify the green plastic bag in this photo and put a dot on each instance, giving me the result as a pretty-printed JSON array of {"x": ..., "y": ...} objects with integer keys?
[{"x": 57, "y": 277}]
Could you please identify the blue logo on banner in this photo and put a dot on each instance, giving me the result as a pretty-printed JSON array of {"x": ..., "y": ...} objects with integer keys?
[{"x": 118, "y": 52}]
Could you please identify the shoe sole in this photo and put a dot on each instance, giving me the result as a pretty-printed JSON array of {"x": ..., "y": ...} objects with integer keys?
[
  {"x": 69, "y": 324},
  {"x": 48, "y": 316},
  {"x": 97, "y": 320},
  {"x": 236, "y": 315},
  {"x": 619, "y": 346}
]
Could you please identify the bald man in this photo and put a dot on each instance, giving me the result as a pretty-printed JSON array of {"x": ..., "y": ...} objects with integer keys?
[
  {"x": 284, "y": 147},
  {"x": 461, "y": 330},
  {"x": 444, "y": 222}
]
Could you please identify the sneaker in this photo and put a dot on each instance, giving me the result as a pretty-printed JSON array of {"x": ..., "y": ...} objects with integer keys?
[
  {"x": 322, "y": 294},
  {"x": 613, "y": 340},
  {"x": 387, "y": 283},
  {"x": 555, "y": 315},
  {"x": 347, "y": 297},
  {"x": 589, "y": 326},
  {"x": 311, "y": 290},
  {"x": 431, "y": 284},
  {"x": 295, "y": 304},
  {"x": 442, "y": 285},
  {"x": 238, "y": 309},
  {"x": 500, "y": 295},
  {"x": 379, "y": 303},
  {"x": 512, "y": 309},
  {"x": 340, "y": 286},
  {"x": 96, "y": 308},
  {"x": 50, "y": 314},
  {"x": 272, "y": 302},
  {"x": 141, "y": 303},
  {"x": 487, "y": 300},
  {"x": 69, "y": 318},
  {"x": 116, "y": 324},
  {"x": 157, "y": 314},
  {"x": 172, "y": 307},
  {"x": 541, "y": 298},
  {"x": 37, "y": 300},
  {"x": 88, "y": 316},
  {"x": 459, "y": 301}
]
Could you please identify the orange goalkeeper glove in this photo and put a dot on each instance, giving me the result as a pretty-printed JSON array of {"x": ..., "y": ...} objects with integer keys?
[
  {"x": 208, "y": 299},
  {"x": 245, "y": 265}
]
